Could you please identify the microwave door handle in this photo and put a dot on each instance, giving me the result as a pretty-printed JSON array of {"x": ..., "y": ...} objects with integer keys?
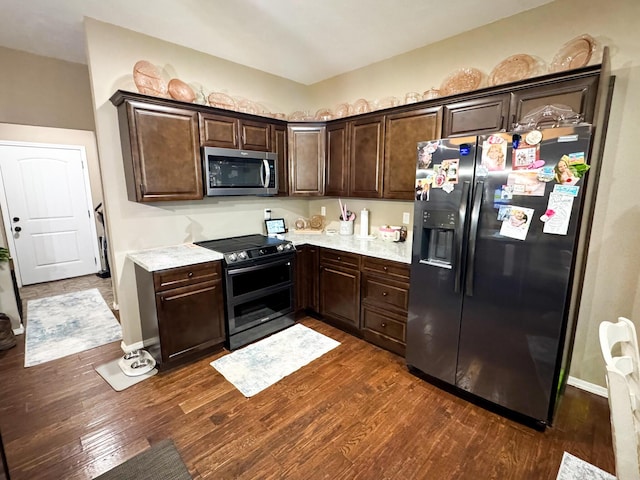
[{"x": 267, "y": 173}]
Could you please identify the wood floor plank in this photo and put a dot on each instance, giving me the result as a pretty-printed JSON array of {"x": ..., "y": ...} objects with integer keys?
[{"x": 354, "y": 413}]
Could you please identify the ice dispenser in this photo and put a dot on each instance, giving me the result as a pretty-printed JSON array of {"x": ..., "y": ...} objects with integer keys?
[{"x": 438, "y": 237}]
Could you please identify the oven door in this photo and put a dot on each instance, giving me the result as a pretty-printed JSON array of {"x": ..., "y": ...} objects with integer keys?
[{"x": 259, "y": 292}]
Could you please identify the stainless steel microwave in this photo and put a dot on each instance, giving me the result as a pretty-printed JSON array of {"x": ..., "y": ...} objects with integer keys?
[{"x": 239, "y": 172}]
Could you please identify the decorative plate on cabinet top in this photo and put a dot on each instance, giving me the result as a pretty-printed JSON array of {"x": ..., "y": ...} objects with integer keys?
[
  {"x": 222, "y": 100},
  {"x": 575, "y": 53},
  {"x": 342, "y": 110},
  {"x": 514, "y": 68},
  {"x": 386, "y": 102},
  {"x": 148, "y": 79},
  {"x": 324, "y": 114},
  {"x": 246, "y": 106},
  {"x": 460, "y": 81},
  {"x": 179, "y": 90},
  {"x": 361, "y": 106}
]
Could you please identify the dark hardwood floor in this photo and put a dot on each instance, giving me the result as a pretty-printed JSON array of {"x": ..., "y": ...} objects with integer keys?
[{"x": 355, "y": 413}]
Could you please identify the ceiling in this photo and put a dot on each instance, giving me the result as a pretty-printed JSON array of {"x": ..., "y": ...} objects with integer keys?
[{"x": 303, "y": 40}]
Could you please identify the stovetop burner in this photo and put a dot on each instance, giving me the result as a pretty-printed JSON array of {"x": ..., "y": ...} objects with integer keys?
[{"x": 237, "y": 250}]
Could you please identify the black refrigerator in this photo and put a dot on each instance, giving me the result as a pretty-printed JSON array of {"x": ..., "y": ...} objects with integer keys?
[{"x": 495, "y": 240}]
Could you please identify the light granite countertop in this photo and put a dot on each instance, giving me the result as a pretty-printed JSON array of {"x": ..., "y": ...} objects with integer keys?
[
  {"x": 175, "y": 256},
  {"x": 155, "y": 259},
  {"x": 396, "y": 251}
]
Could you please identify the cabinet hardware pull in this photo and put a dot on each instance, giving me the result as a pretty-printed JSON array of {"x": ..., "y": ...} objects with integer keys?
[
  {"x": 339, "y": 258},
  {"x": 385, "y": 268},
  {"x": 190, "y": 274},
  {"x": 383, "y": 324},
  {"x": 384, "y": 294}
]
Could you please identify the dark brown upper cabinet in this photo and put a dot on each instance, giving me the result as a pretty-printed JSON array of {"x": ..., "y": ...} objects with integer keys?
[
  {"x": 229, "y": 132},
  {"x": 402, "y": 132},
  {"x": 479, "y": 115},
  {"x": 337, "y": 168},
  {"x": 306, "y": 159},
  {"x": 280, "y": 147},
  {"x": 366, "y": 139},
  {"x": 161, "y": 151},
  {"x": 579, "y": 94}
]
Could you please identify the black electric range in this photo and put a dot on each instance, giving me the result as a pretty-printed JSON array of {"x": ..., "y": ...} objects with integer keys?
[
  {"x": 259, "y": 286},
  {"x": 248, "y": 248}
]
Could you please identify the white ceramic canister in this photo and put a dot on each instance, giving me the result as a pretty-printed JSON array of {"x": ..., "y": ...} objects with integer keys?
[{"x": 346, "y": 227}]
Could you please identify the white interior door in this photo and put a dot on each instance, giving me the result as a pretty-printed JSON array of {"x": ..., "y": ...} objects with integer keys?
[{"x": 47, "y": 211}]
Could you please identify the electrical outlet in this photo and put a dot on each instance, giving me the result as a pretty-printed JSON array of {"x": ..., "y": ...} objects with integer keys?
[
  {"x": 405, "y": 218},
  {"x": 267, "y": 214},
  {"x": 323, "y": 211}
]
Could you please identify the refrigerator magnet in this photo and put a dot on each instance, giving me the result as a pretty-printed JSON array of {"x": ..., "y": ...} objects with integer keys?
[
  {"x": 546, "y": 174},
  {"x": 448, "y": 187},
  {"x": 450, "y": 169},
  {"x": 494, "y": 153},
  {"x": 517, "y": 224},
  {"x": 558, "y": 223},
  {"x": 526, "y": 157},
  {"x": 507, "y": 192},
  {"x": 504, "y": 213},
  {"x": 534, "y": 137},
  {"x": 567, "y": 189}
]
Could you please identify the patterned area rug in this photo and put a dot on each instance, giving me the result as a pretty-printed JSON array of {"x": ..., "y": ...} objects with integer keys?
[
  {"x": 572, "y": 468},
  {"x": 261, "y": 364},
  {"x": 66, "y": 324}
]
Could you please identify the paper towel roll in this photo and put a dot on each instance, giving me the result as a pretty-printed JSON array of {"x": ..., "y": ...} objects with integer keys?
[{"x": 364, "y": 223}]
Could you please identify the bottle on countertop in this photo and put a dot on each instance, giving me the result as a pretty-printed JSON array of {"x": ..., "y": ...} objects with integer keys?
[{"x": 364, "y": 223}]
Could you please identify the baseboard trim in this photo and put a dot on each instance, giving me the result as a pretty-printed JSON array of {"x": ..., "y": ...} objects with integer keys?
[{"x": 587, "y": 386}]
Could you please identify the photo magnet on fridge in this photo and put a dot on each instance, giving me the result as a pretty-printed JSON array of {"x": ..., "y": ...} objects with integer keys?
[
  {"x": 517, "y": 224},
  {"x": 494, "y": 153}
]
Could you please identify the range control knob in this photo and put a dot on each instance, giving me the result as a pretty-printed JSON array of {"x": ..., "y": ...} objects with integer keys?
[
  {"x": 232, "y": 257},
  {"x": 288, "y": 246},
  {"x": 280, "y": 247},
  {"x": 242, "y": 255}
]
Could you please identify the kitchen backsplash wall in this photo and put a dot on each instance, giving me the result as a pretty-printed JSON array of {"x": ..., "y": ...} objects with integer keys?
[{"x": 381, "y": 212}]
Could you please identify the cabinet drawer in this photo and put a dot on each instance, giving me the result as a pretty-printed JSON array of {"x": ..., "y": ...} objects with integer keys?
[
  {"x": 338, "y": 258},
  {"x": 387, "y": 268},
  {"x": 383, "y": 323},
  {"x": 377, "y": 290},
  {"x": 183, "y": 276}
]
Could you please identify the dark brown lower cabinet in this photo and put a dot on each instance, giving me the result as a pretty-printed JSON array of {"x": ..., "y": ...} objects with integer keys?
[
  {"x": 366, "y": 296},
  {"x": 385, "y": 303},
  {"x": 181, "y": 311},
  {"x": 307, "y": 278},
  {"x": 340, "y": 289}
]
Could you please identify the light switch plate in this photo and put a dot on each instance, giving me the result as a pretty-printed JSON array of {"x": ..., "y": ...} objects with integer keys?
[
  {"x": 405, "y": 218},
  {"x": 323, "y": 211}
]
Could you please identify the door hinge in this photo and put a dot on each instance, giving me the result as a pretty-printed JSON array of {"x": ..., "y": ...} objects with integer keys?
[
  {"x": 142, "y": 189},
  {"x": 88, "y": 214},
  {"x": 95, "y": 261}
]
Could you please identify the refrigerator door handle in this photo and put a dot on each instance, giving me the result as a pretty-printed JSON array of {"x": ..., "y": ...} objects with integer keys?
[
  {"x": 473, "y": 232},
  {"x": 462, "y": 224}
]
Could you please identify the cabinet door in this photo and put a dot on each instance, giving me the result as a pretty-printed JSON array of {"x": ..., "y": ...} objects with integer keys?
[
  {"x": 366, "y": 138},
  {"x": 219, "y": 131},
  {"x": 471, "y": 117},
  {"x": 190, "y": 319},
  {"x": 161, "y": 153},
  {"x": 306, "y": 159},
  {"x": 402, "y": 132},
  {"x": 337, "y": 171},
  {"x": 578, "y": 94},
  {"x": 255, "y": 135},
  {"x": 340, "y": 295},
  {"x": 279, "y": 143},
  {"x": 307, "y": 278}
]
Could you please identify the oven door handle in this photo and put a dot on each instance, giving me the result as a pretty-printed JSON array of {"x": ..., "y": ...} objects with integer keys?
[{"x": 254, "y": 267}]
